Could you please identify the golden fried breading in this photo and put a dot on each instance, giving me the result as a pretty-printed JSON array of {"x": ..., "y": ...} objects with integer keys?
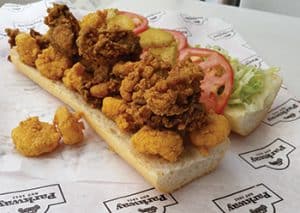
[
  {"x": 112, "y": 107},
  {"x": 102, "y": 90},
  {"x": 136, "y": 116},
  {"x": 93, "y": 20},
  {"x": 160, "y": 96},
  {"x": 52, "y": 63},
  {"x": 123, "y": 69},
  {"x": 107, "y": 47},
  {"x": 73, "y": 77},
  {"x": 175, "y": 100},
  {"x": 63, "y": 29},
  {"x": 123, "y": 123},
  {"x": 211, "y": 135},
  {"x": 27, "y": 48},
  {"x": 173, "y": 95},
  {"x": 12, "y": 34},
  {"x": 128, "y": 118},
  {"x": 69, "y": 125},
  {"x": 41, "y": 40},
  {"x": 167, "y": 144},
  {"x": 34, "y": 138},
  {"x": 140, "y": 76}
]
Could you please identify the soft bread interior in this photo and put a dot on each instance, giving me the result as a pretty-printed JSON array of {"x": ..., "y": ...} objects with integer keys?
[
  {"x": 163, "y": 175},
  {"x": 243, "y": 121}
]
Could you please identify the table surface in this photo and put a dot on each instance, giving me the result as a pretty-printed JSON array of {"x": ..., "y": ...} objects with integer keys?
[{"x": 276, "y": 38}]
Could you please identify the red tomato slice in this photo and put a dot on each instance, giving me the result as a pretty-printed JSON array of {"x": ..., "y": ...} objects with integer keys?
[
  {"x": 179, "y": 37},
  {"x": 217, "y": 84},
  {"x": 140, "y": 22}
]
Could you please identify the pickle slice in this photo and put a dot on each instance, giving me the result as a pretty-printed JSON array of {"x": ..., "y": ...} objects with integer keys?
[
  {"x": 122, "y": 22},
  {"x": 156, "y": 38}
]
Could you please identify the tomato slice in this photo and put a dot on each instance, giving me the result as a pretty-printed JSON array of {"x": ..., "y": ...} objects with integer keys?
[
  {"x": 217, "y": 84},
  {"x": 179, "y": 37},
  {"x": 140, "y": 22}
]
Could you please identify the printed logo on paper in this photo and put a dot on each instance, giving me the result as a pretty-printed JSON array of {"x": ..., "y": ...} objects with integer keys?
[
  {"x": 255, "y": 199},
  {"x": 195, "y": 20},
  {"x": 2, "y": 31},
  {"x": 154, "y": 17},
  {"x": 273, "y": 156},
  {"x": 148, "y": 201},
  {"x": 253, "y": 60},
  {"x": 283, "y": 87},
  {"x": 6, "y": 145},
  {"x": 49, "y": 3},
  {"x": 286, "y": 112},
  {"x": 184, "y": 31},
  {"x": 26, "y": 26},
  {"x": 2, "y": 35},
  {"x": 15, "y": 8},
  {"x": 4, "y": 138},
  {"x": 246, "y": 45},
  {"x": 26, "y": 85},
  {"x": 35, "y": 200},
  {"x": 222, "y": 34}
]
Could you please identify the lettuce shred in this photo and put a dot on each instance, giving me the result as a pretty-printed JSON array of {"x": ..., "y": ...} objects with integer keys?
[{"x": 249, "y": 81}]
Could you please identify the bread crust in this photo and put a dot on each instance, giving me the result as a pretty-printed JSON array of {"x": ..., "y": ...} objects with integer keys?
[
  {"x": 244, "y": 121},
  {"x": 163, "y": 175}
]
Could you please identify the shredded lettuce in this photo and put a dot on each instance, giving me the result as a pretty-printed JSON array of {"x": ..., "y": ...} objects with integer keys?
[{"x": 249, "y": 81}]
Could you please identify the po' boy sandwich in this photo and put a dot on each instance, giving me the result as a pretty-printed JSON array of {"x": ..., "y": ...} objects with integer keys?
[{"x": 159, "y": 109}]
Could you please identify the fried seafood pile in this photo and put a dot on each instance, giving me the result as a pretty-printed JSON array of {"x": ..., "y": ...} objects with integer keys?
[{"x": 156, "y": 100}]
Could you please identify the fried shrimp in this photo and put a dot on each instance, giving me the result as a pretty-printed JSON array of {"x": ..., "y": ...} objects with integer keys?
[
  {"x": 102, "y": 90},
  {"x": 27, "y": 48},
  {"x": 52, "y": 63},
  {"x": 33, "y": 138},
  {"x": 73, "y": 77},
  {"x": 69, "y": 125},
  {"x": 211, "y": 135},
  {"x": 167, "y": 144},
  {"x": 112, "y": 107}
]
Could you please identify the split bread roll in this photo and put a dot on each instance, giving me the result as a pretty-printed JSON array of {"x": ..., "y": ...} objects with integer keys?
[
  {"x": 243, "y": 121},
  {"x": 163, "y": 175}
]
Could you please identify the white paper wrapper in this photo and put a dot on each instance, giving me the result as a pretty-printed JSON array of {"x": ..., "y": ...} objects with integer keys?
[{"x": 260, "y": 173}]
